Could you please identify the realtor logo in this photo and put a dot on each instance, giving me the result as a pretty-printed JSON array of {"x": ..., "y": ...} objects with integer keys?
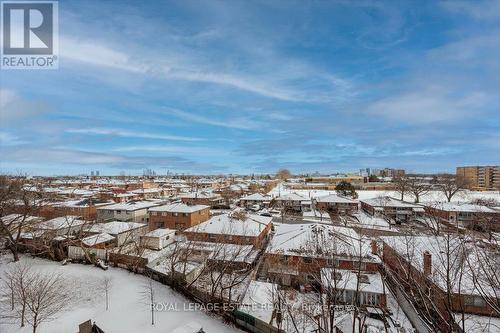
[{"x": 29, "y": 34}]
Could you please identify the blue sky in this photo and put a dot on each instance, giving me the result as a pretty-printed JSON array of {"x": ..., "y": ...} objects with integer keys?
[{"x": 254, "y": 86}]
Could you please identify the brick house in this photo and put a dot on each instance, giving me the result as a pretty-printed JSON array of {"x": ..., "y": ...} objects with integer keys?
[
  {"x": 85, "y": 208},
  {"x": 202, "y": 198},
  {"x": 178, "y": 216},
  {"x": 396, "y": 210},
  {"x": 262, "y": 200},
  {"x": 297, "y": 252},
  {"x": 132, "y": 211},
  {"x": 227, "y": 228},
  {"x": 465, "y": 215},
  {"x": 336, "y": 204},
  {"x": 423, "y": 259}
]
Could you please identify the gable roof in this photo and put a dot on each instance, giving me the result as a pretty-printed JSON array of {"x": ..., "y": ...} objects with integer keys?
[{"x": 225, "y": 224}]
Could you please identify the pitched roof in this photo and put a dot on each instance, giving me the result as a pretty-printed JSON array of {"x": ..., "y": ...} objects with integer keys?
[
  {"x": 225, "y": 224},
  {"x": 178, "y": 208}
]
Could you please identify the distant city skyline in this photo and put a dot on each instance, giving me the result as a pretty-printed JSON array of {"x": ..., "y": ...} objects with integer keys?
[{"x": 214, "y": 87}]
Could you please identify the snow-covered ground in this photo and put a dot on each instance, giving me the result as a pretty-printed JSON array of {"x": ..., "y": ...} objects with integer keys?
[
  {"x": 127, "y": 311},
  {"x": 463, "y": 196}
]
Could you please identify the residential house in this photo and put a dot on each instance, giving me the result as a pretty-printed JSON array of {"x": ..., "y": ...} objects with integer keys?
[
  {"x": 124, "y": 232},
  {"x": 232, "y": 228},
  {"x": 157, "y": 239},
  {"x": 132, "y": 211},
  {"x": 336, "y": 204},
  {"x": 344, "y": 285},
  {"x": 178, "y": 216},
  {"x": 203, "y": 198},
  {"x": 293, "y": 202},
  {"x": 455, "y": 272},
  {"x": 396, "y": 211},
  {"x": 297, "y": 252},
  {"x": 256, "y": 199},
  {"x": 465, "y": 215}
]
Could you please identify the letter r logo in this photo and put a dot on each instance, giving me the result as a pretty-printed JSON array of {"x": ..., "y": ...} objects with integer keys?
[{"x": 27, "y": 28}]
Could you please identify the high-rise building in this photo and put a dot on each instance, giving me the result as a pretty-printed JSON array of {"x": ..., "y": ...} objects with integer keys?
[{"x": 480, "y": 177}]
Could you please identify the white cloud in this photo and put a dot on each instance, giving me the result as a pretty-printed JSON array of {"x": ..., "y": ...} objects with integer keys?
[
  {"x": 481, "y": 10},
  {"x": 277, "y": 82},
  {"x": 131, "y": 134},
  {"x": 238, "y": 123},
  {"x": 95, "y": 53}
]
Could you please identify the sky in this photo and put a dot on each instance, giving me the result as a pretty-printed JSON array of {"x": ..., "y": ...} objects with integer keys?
[{"x": 219, "y": 87}]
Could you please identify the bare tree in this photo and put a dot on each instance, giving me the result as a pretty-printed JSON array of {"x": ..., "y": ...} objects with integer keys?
[
  {"x": 19, "y": 201},
  {"x": 148, "y": 296},
  {"x": 283, "y": 174},
  {"x": 16, "y": 281},
  {"x": 105, "y": 287},
  {"x": 417, "y": 188},
  {"x": 46, "y": 296},
  {"x": 450, "y": 185},
  {"x": 401, "y": 185}
]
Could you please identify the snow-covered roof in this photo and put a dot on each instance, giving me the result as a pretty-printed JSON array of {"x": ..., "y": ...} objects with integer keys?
[
  {"x": 461, "y": 207},
  {"x": 389, "y": 202},
  {"x": 467, "y": 261},
  {"x": 18, "y": 218},
  {"x": 160, "y": 233},
  {"x": 258, "y": 300},
  {"x": 317, "y": 240},
  {"x": 131, "y": 205},
  {"x": 200, "y": 195},
  {"x": 332, "y": 198},
  {"x": 225, "y": 224},
  {"x": 178, "y": 208},
  {"x": 344, "y": 279},
  {"x": 97, "y": 239},
  {"x": 292, "y": 197},
  {"x": 60, "y": 223},
  {"x": 115, "y": 227},
  {"x": 256, "y": 197},
  {"x": 147, "y": 190},
  {"x": 82, "y": 203}
]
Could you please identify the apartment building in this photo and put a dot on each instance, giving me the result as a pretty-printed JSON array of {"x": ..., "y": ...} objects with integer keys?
[
  {"x": 178, "y": 216},
  {"x": 480, "y": 178}
]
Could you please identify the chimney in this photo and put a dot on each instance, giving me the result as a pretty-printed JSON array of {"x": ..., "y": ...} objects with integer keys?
[
  {"x": 427, "y": 263},
  {"x": 374, "y": 247}
]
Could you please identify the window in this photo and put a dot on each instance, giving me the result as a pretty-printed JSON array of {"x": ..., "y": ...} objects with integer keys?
[
  {"x": 176, "y": 214},
  {"x": 332, "y": 262},
  {"x": 212, "y": 236},
  {"x": 153, "y": 213},
  {"x": 307, "y": 260},
  {"x": 185, "y": 214},
  {"x": 359, "y": 265},
  {"x": 363, "y": 278},
  {"x": 163, "y": 214},
  {"x": 474, "y": 301}
]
